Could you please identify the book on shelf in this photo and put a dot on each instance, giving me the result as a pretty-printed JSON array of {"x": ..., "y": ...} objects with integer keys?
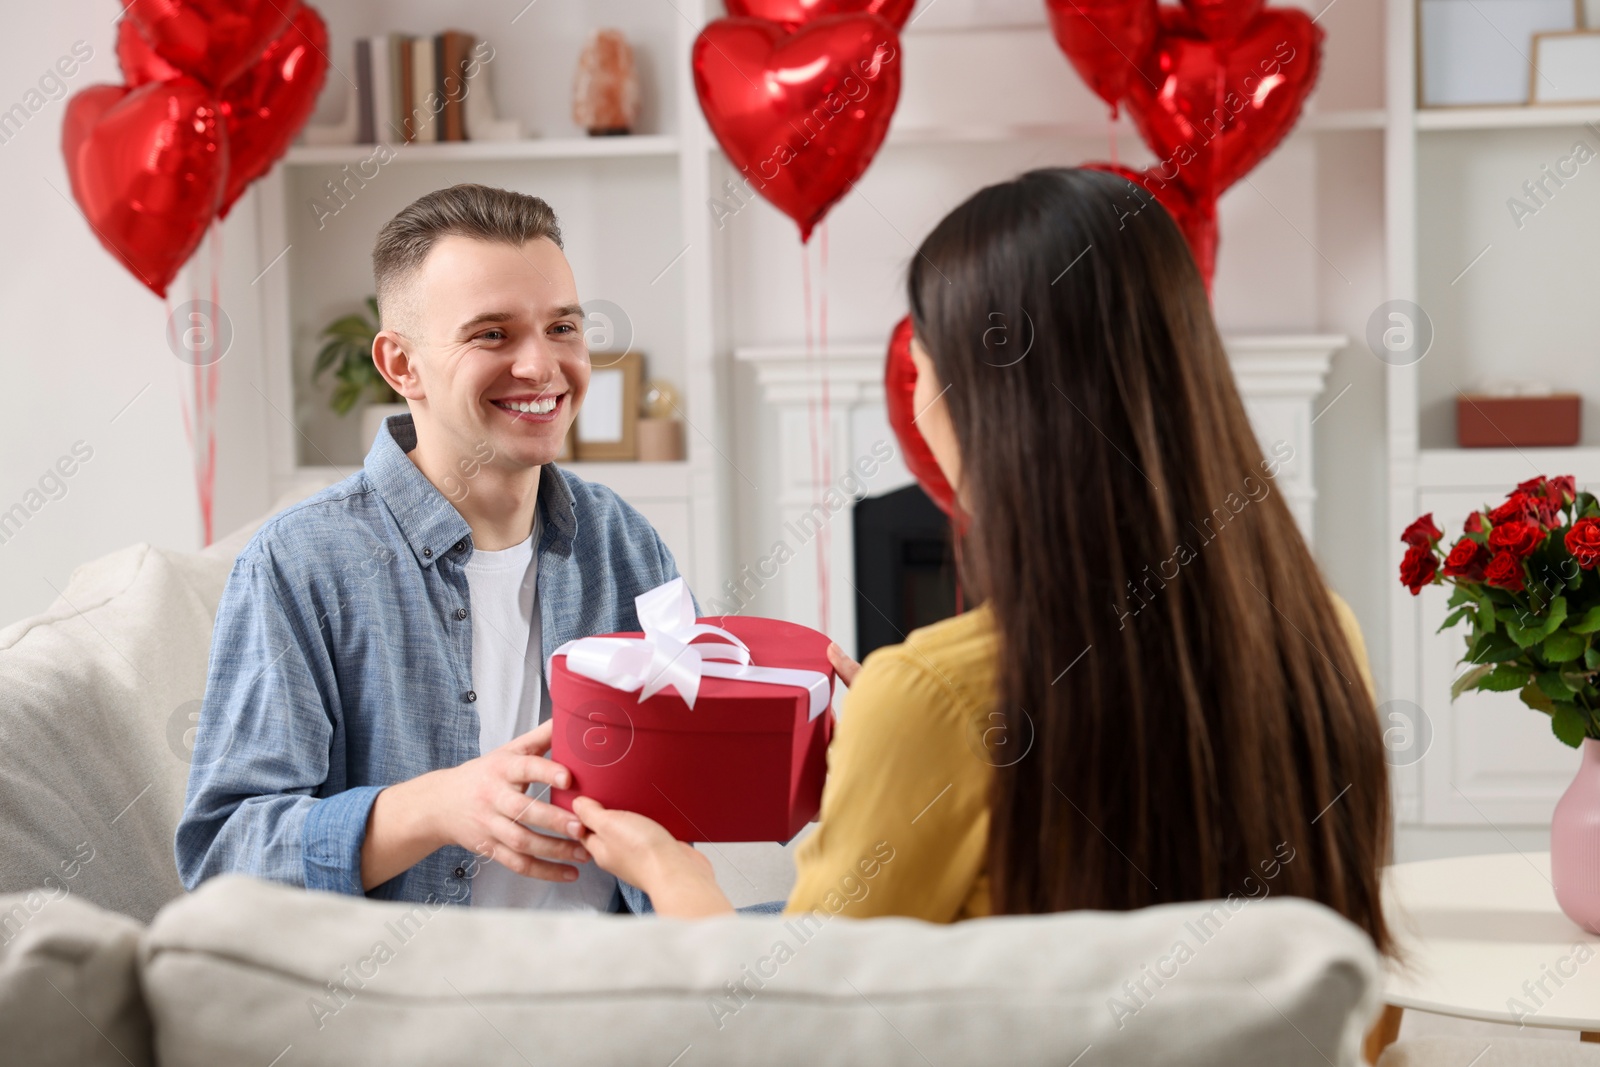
[{"x": 413, "y": 88}]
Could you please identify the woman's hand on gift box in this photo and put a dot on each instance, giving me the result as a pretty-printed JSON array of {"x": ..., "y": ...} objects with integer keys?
[
  {"x": 637, "y": 849},
  {"x": 843, "y": 665}
]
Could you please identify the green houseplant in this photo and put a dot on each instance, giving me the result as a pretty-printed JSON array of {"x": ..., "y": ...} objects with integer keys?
[{"x": 347, "y": 350}]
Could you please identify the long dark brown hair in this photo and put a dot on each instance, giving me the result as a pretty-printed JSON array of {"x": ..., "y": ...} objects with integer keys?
[{"x": 1195, "y": 721}]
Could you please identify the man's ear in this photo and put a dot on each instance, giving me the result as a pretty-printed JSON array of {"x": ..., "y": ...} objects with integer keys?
[{"x": 392, "y": 355}]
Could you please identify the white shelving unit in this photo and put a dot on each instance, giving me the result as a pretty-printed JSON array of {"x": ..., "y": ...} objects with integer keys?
[{"x": 1501, "y": 306}]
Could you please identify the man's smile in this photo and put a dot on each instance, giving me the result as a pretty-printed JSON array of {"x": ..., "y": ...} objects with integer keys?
[{"x": 530, "y": 408}]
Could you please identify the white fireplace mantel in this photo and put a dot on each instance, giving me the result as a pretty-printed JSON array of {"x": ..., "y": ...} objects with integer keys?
[{"x": 1279, "y": 377}]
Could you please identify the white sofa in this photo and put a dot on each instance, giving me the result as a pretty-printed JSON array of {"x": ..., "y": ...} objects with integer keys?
[{"x": 95, "y": 697}]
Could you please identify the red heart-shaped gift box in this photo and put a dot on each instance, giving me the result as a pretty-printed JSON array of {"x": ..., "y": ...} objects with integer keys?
[{"x": 746, "y": 763}]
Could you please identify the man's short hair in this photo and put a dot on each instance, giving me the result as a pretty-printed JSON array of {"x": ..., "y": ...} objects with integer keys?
[{"x": 481, "y": 212}]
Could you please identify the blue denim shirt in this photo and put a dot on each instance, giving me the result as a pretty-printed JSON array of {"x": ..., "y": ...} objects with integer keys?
[{"x": 341, "y": 664}]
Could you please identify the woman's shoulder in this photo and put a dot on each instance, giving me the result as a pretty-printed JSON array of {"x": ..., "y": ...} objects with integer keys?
[{"x": 950, "y": 663}]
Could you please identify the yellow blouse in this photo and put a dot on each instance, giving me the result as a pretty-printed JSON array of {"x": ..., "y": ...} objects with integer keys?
[{"x": 905, "y": 813}]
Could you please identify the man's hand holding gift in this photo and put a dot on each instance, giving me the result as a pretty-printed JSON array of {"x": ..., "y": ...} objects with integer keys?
[{"x": 482, "y": 806}]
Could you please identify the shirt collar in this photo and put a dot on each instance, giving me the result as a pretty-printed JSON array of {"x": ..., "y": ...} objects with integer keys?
[{"x": 430, "y": 523}]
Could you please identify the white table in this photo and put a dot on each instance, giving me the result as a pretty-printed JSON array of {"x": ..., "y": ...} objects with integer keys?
[{"x": 1481, "y": 934}]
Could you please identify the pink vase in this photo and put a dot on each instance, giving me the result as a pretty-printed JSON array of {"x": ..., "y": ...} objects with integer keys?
[{"x": 1575, "y": 843}]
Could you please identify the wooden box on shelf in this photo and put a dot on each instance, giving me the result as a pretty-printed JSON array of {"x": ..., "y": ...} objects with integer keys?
[{"x": 1553, "y": 421}]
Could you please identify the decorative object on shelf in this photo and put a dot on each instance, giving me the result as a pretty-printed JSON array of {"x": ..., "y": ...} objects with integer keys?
[
  {"x": 899, "y": 382},
  {"x": 800, "y": 114},
  {"x": 607, "y": 424},
  {"x": 661, "y": 400},
  {"x": 1219, "y": 84},
  {"x": 794, "y": 13},
  {"x": 1523, "y": 574},
  {"x": 347, "y": 351},
  {"x": 1105, "y": 41},
  {"x": 605, "y": 89},
  {"x": 1566, "y": 68},
  {"x": 661, "y": 438},
  {"x": 1518, "y": 415},
  {"x": 1475, "y": 52}
]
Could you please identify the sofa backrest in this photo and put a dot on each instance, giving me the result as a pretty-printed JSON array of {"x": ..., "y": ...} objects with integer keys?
[
  {"x": 99, "y": 698},
  {"x": 241, "y": 971}
]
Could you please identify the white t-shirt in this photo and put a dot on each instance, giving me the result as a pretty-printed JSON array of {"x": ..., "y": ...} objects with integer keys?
[{"x": 508, "y": 676}]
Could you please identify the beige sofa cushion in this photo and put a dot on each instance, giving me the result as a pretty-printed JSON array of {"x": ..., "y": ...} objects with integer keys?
[
  {"x": 69, "y": 992},
  {"x": 244, "y": 971},
  {"x": 99, "y": 696},
  {"x": 94, "y": 701}
]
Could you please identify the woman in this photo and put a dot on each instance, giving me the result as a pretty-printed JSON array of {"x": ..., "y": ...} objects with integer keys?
[{"x": 1158, "y": 700}]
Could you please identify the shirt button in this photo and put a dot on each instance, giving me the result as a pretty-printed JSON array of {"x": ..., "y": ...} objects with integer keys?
[
  {"x": 427, "y": 553},
  {"x": 471, "y": 696},
  {"x": 461, "y": 613},
  {"x": 461, "y": 872},
  {"x": 461, "y": 546}
]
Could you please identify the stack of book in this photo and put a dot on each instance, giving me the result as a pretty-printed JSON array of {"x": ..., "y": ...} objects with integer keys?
[{"x": 412, "y": 88}]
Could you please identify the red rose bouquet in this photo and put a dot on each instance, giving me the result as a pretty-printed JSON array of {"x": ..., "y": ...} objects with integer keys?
[{"x": 1524, "y": 579}]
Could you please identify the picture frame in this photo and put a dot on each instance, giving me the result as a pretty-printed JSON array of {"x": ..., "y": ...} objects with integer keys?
[
  {"x": 1566, "y": 68},
  {"x": 607, "y": 424},
  {"x": 1469, "y": 52}
]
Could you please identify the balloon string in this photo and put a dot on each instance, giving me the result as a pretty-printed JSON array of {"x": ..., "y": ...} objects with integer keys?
[
  {"x": 213, "y": 370},
  {"x": 1111, "y": 132},
  {"x": 811, "y": 425},
  {"x": 825, "y": 542}
]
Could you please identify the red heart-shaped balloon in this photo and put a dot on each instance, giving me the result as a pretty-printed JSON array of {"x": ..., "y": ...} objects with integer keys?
[
  {"x": 899, "y": 381},
  {"x": 1222, "y": 20},
  {"x": 147, "y": 168},
  {"x": 1211, "y": 112},
  {"x": 794, "y": 13},
  {"x": 800, "y": 114},
  {"x": 1105, "y": 40},
  {"x": 212, "y": 40},
  {"x": 264, "y": 108},
  {"x": 1195, "y": 214},
  {"x": 139, "y": 62}
]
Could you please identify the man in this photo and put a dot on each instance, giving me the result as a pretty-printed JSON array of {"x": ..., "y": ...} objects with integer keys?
[{"x": 372, "y": 713}]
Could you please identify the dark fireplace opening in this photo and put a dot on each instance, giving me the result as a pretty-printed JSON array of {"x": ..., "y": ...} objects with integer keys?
[{"x": 905, "y": 567}]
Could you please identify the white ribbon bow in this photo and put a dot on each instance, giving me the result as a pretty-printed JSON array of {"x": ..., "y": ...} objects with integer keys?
[{"x": 664, "y": 657}]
